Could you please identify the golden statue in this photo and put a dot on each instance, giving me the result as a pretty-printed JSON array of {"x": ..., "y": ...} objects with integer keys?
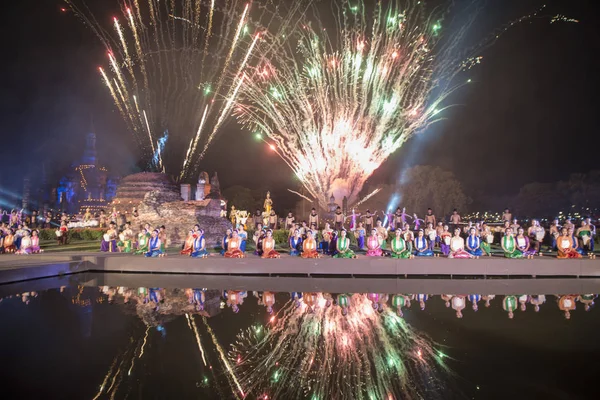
[
  {"x": 233, "y": 215},
  {"x": 268, "y": 204}
]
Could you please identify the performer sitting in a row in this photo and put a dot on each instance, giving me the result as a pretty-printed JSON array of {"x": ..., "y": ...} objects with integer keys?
[
  {"x": 309, "y": 247},
  {"x": 268, "y": 246},
  {"x": 154, "y": 246},
  {"x": 234, "y": 247}
]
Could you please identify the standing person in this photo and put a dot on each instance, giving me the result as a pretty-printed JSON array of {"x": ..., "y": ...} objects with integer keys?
[
  {"x": 257, "y": 219},
  {"x": 313, "y": 218},
  {"x": 272, "y": 220},
  {"x": 397, "y": 219},
  {"x": 455, "y": 220},
  {"x": 289, "y": 221},
  {"x": 368, "y": 221},
  {"x": 64, "y": 230},
  {"x": 338, "y": 218},
  {"x": 430, "y": 217},
  {"x": 507, "y": 215}
]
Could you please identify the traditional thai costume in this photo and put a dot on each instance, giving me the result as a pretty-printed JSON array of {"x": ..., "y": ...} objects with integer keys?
[
  {"x": 509, "y": 304},
  {"x": 269, "y": 248},
  {"x": 369, "y": 223},
  {"x": 25, "y": 245},
  {"x": 576, "y": 246},
  {"x": 360, "y": 237},
  {"x": 474, "y": 246},
  {"x": 188, "y": 246},
  {"x": 338, "y": 218},
  {"x": 199, "y": 247},
  {"x": 422, "y": 249},
  {"x": 422, "y": 298},
  {"x": 431, "y": 236},
  {"x": 163, "y": 240},
  {"x": 343, "y": 248},
  {"x": 587, "y": 300},
  {"x": 585, "y": 235},
  {"x": 445, "y": 239},
  {"x": 567, "y": 304},
  {"x": 35, "y": 244},
  {"x": 399, "y": 249},
  {"x": 142, "y": 244},
  {"x": 234, "y": 250},
  {"x": 382, "y": 234},
  {"x": 309, "y": 249},
  {"x": 313, "y": 219},
  {"x": 486, "y": 243},
  {"x": 154, "y": 250},
  {"x": 458, "y": 304},
  {"x": 243, "y": 235},
  {"x": 126, "y": 243},
  {"x": 523, "y": 246},
  {"x": 198, "y": 299},
  {"x": 374, "y": 247},
  {"x": 109, "y": 242},
  {"x": 475, "y": 299},
  {"x": 225, "y": 244},
  {"x": 326, "y": 242},
  {"x": 457, "y": 248},
  {"x": 295, "y": 245},
  {"x": 565, "y": 247},
  {"x": 510, "y": 247},
  {"x": 537, "y": 301}
]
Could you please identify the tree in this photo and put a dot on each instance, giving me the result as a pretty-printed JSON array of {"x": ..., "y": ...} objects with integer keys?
[{"x": 242, "y": 198}]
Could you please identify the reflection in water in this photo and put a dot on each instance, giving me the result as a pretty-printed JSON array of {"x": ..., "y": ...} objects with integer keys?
[
  {"x": 313, "y": 345},
  {"x": 313, "y": 350}
]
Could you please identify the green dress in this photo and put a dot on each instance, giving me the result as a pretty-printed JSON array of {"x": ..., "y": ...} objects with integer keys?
[
  {"x": 343, "y": 249},
  {"x": 399, "y": 249},
  {"x": 511, "y": 248},
  {"x": 485, "y": 246},
  {"x": 142, "y": 245}
]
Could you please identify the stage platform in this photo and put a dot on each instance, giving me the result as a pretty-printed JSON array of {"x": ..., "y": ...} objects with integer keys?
[{"x": 15, "y": 268}]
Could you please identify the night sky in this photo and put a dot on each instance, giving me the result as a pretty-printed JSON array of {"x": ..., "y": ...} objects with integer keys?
[{"x": 528, "y": 115}]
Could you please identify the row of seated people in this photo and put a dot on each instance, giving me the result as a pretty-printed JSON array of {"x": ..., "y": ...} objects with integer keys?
[{"x": 21, "y": 241}]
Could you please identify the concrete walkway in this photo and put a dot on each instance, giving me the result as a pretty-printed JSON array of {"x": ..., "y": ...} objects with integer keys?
[{"x": 14, "y": 268}]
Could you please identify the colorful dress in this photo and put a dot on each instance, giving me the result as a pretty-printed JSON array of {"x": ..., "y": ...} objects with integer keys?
[
  {"x": 565, "y": 248},
  {"x": 474, "y": 246},
  {"x": 295, "y": 245},
  {"x": 142, "y": 244},
  {"x": 445, "y": 239},
  {"x": 35, "y": 244},
  {"x": 523, "y": 244},
  {"x": 109, "y": 242},
  {"x": 309, "y": 249},
  {"x": 399, "y": 249},
  {"x": 225, "y": 244},
  {"x": 457, "y": 248},
  {"x": 509, "y": 304},
  {"x": 486, "y": 244},
  {"x": 269, "y": 248},
  {"x": 398, "y": 302},
  {"x": 360, "y": 238},
  {"x": 234, "y": 250},
  {"x": 199, "y": 249},
  {"x": 422, "y": 249},
  {"x": 154, "y": 250},
  {"x": 188, "y": 246},
  {"x": 374, "y": 247},
  {"x": 244, "y": 238},
  {"x": 343, "y": 248},
  {"x": 510, "y": 247},
  {"x": 586, "y": 238}
]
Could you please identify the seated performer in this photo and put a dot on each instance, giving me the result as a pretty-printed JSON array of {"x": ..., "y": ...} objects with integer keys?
[
  {"x": 243, "y": 237},
  {"x": 295, "y": 243},
  {"x": 360, "y": 233},
  {"x": 536, "y": 236},
  {"x": 9, "y": 242},
  {"x": 199, "y": 248},
  {"x": 382, "y": 233},
  {"x": 457, "y": 246},
  {"x": 188, "y": 245},
  {"x": 326, "y": 244},
  {"x": 374, "y": 245},
  {"x": 268, "y": 246},
  {"x": 398, "y": 246},
  {"x": 235, "y": 243},
  {"x": 584, "y": 234},
  {"x": 445, "y": 239},
  {"x": 25, "y": 244},
  {"x": 142, "y": 242},
  {"x": 509, "y": 245},
  {"x": 474, "y": 243},
  {"x": 523, "y": 244},
  {"x": 225, "y": 241},
  {"x": 571, "y": 232},
  {"x": 154, "y": 246},
  {"x": 487, "y": 238},
  {"x": 564, "y": 243},
  {"x": 109, "y": 240},
  {"x": 309, "y": 247},
  {"x": 63, "y": 238},
  {"x": 431, "y": 235},
  {"x": 342, "y": 246},
  {"x": 422, "y": 248},
  {"x": 126, "y": 242},
  {"x": 35, "y": 242}
]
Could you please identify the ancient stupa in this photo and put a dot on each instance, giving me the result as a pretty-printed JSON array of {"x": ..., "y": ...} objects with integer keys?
[{"x": 157, "y": 200}]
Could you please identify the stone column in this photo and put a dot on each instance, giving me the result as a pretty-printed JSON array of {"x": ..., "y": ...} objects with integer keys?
[{"x": 185, "y": 191}]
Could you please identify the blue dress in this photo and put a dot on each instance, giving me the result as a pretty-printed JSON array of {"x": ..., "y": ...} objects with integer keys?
[
  {"x": 295, "y": 246},
  {"x": 474, "y": 243},
  {"x": 244, "y": 238},
  {"x": 198, "y": 248},
  {"x": 154, "y": 244},
  {"x": 225, "y": 243},
  {"x": 423, "y": 249}
]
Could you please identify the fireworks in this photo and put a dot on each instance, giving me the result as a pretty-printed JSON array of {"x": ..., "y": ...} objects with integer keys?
[
  {"x": 176, "y": 67},
  {"x": 319, "y": 353}
]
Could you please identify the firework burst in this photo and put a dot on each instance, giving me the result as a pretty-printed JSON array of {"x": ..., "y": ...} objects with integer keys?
[
  {"x": 176, "y": 66},
  {"x": 318, "y": 353}
]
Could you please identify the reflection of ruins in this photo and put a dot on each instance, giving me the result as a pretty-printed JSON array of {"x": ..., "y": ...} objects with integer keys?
[{"x": 87, "y": 184}]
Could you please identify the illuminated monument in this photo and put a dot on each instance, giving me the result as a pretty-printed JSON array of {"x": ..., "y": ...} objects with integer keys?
[{"x": 87, "y": 184}]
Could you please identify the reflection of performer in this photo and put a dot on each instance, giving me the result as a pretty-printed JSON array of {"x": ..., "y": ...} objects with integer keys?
[
  {"x": 509, "y": 304},
  {"x": 567, "y": 304},
  {"x": 537, "y": 301}
]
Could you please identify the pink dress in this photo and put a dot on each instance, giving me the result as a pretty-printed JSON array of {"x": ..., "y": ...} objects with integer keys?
[
  {"x": 35, "y": 244},
  {"x": 457, "y": 248},
  {"x": 373, "y": 247}
]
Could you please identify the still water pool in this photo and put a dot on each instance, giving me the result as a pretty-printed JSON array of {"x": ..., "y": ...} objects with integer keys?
[{"x": 85, "y": 337}]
